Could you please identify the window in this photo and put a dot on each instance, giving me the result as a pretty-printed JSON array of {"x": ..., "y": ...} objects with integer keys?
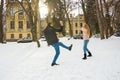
[
  {"x": 28, "y": 24},
  {"x": 81, "y": 32},
  {"x": 76, "y": 31},
  {"x": 20, "y": 11},
  {"x": 80, "y": 17},
  {"x": 20, "y": 24},
  {"x": 81, "y": 24},
  {"x": 76, "y": 24},
  {"x": 20, "y": 35},
  {"x": 28, "y": 35},
  {"x": 12, "y": 36},
  {"x": 12, "y": 11},
  {"x": 12, "y": 25}
]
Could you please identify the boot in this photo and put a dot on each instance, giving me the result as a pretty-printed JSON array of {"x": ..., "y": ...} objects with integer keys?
[
  {"x": 70, "y": 47},
  {"x": 85, "y": 57},
  {"x": 89, "y": 54},
  {"x": 54, "y": 64}
]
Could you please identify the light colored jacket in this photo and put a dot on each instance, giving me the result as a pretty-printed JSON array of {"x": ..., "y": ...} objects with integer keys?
[{"x": 86, "y": 33}]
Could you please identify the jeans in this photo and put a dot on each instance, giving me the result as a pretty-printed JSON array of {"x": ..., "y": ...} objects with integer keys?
[
  {"x": 57, "y": 50},
  {"x": 85, "y": 49}
]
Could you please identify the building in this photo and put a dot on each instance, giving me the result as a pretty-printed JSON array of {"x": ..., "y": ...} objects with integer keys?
[
  {"x": 76, "y": 23},
  {"x": 17, "y": 22}
]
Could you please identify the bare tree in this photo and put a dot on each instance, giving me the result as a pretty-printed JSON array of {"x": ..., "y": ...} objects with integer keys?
[
  {"x": 89, "y": 10},
  {"x": 104, "y": 17},
  {"x": 99, "y": 16},
  {"x": 66, "y": 8},
  {"x": 98, "y": 13},
  {"x": 55, "y": 13},
  {"x": 107, "y": 17},
  {"x": 33, "y": 17},
  {"x": 61, "y": 9},
  {"x": 1, "y": 21},
  {"x": 116, "y": 15}
]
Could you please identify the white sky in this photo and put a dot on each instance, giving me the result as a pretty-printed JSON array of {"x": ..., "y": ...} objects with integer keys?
[{"x": 44, "y": 10}]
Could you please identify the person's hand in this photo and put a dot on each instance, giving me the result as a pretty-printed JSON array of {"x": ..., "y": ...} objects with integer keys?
[{"x": 61, "y": 23}]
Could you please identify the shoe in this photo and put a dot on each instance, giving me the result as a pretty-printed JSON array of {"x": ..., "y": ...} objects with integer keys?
[
  {"x": 85, "y": 57},
  {"x": 54, "y": 64},
  {"x": 70, "y": 47},
  {"x": 89, "y": 54}
]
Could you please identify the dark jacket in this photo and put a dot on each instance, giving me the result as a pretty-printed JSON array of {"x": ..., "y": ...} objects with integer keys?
[{"x": 50, "y": 35}]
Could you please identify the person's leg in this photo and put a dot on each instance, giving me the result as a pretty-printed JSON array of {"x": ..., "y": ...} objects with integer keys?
[
  {"x": 57, "y": 50},
  {"x": 89, "y": 53},
  {"x": 85, "y": 49},
  {"x": 85, "y": 46},
  {"x": 64, "y": 46}
]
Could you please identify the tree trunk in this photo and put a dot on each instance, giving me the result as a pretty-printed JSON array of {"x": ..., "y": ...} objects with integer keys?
[
  {"x": 117, "y": 16},
  {"x": 1, "y": 21},
  {"x": 99, "y": 16},
  {"x": 32, "y": 18},
  {"x": 84, "y": 11},
  {"x": 70, "y": 26}
]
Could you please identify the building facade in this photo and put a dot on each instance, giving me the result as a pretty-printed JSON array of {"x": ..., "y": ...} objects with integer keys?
[
  {"x": 17, "y": 22},
  {"x": 76, "y": 23}
]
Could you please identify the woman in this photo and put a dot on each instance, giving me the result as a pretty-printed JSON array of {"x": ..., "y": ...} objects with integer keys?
[{"x": 86, "y": 34}]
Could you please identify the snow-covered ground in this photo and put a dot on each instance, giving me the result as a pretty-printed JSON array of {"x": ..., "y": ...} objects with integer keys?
[{"x": 24, "y": 61}]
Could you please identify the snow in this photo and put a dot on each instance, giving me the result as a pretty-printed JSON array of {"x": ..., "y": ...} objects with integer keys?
[{"x": 25, "y": 61}]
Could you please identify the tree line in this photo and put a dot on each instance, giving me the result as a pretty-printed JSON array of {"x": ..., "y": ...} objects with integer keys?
[{"x": 103, "y": 16}]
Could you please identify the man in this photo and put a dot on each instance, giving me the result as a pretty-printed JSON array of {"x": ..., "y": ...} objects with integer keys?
[{"x": 52, "y": 39}]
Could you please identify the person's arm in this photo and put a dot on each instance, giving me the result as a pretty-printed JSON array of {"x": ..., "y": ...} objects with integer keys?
[
  {"x": 46, "y": 36},
  {"x": 61, "y": 27},
  {"x": 58, "y": 30}
]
